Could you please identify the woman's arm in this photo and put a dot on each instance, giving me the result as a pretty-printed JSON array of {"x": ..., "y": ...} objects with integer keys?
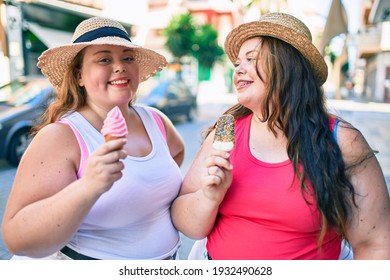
[
  {"x": 47, "y": 202},
  {"x": 369, "y": 229},
  {"x": 204, "y": 187}
]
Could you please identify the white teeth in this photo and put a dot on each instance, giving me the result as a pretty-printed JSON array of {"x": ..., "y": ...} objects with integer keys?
[
  {"x": 118, "y": 82},
  {"x": 243, "y": 83}
]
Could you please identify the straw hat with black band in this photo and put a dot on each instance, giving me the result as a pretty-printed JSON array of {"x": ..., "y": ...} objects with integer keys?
[
  {"x": 284, "y": 27},
  {"x": 97, "y": 31}
]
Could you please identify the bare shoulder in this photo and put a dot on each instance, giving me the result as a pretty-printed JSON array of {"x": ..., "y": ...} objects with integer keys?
[
  {"x": 55, "y": 135},
  {"x": 352, "y": 143},
  {"x": 54, "y": 145},
  {"x": 362, "y": 166},
  {"x": 48, "y": 165},
  {"x": 55, "y": 130}
]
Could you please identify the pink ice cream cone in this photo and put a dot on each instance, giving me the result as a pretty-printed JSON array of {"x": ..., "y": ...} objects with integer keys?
[{"x": 114, "y": 126}]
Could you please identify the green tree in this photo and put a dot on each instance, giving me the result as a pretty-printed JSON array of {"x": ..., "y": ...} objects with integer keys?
[
  {"x": 206, "y": 50},
  {"x": 185, "y": 38},
  {"x": 179, "y": 35}
]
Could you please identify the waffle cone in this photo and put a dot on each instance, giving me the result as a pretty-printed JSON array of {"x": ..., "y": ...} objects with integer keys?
[{"x": 110, "y": 137}]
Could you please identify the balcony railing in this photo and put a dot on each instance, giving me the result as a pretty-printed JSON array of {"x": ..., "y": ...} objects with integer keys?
[{"x": 374, "y": 39}]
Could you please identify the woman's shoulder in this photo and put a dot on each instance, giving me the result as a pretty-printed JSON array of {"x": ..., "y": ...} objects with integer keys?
[
  {"x": 348, "y": 134},
  {"x": 352, "y": 143},
  {"x": 56, "y": 144},
  {"x": 56, "y": 138},
  {"x": 55, "y": 131}
]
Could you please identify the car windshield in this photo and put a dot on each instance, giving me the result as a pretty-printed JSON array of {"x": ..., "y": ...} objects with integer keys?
[
  {"x": 7, "y": 90},
  {"x": 25, "y": 93}
]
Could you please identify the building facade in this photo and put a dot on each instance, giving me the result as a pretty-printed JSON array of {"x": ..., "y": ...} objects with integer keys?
[
  {"x": 374, "y": 50},
  {"x": 30, "y": 27}
]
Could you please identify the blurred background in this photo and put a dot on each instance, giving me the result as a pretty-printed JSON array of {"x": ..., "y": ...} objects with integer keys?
[{"x": 353, "y": 35}]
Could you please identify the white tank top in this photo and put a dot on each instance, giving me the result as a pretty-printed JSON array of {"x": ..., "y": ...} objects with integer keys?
[{"x": 132, "y": 220}]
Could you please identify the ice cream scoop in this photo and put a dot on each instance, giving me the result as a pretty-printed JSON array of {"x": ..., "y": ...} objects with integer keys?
[
  {"x": 224, "y": 133},
  {"x": 114, "y": 126}
]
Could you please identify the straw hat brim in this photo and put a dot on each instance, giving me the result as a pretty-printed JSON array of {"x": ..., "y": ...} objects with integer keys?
[
  {"x": 55, "y": 61},
  {"x": 245, "y": 31}
]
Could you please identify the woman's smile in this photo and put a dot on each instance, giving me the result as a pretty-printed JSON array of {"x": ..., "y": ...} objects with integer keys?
[
  {"x": 121, "y": 82},
  {"x": 242, "y": 84}
]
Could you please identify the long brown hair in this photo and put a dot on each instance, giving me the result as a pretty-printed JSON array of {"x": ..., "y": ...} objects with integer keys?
[
  {"x": 70, "y": 96},
  {"x": 298, "y": 109}
]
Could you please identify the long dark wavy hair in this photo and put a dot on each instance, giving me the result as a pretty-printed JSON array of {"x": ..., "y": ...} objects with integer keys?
[{"x": 295, "y": 104}]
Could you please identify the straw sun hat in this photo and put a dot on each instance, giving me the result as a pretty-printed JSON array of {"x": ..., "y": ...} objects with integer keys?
[
  {"x": 97, "y": 31},
  {"x": 283, "y": 27}
]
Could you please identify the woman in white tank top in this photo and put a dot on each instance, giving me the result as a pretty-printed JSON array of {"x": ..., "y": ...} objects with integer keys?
[{"x": 76, "y": 196}]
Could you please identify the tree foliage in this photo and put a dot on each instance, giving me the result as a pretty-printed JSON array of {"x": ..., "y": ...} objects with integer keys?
[
  {"x": 184, "y": 37},
  {"x": 206, "y": 49},
  {"x": 179, "y": 35}
]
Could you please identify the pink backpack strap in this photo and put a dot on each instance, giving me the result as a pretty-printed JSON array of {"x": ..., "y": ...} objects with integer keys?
[{"x": 159, "y": 122}]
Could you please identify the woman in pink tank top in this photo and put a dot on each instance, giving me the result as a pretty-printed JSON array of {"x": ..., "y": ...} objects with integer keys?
[{"x": 291, "y": 188}]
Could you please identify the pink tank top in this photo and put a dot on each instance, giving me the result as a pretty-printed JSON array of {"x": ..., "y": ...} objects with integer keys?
[{"x": 263, "y": 216}]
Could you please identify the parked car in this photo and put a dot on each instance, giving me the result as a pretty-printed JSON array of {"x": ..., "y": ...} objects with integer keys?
[
  {"x": 172, "y": 97},
  {"x": 23, "y": 103}
]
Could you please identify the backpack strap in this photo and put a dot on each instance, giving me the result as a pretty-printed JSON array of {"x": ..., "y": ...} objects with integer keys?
[{"x": 335, "y": 125}]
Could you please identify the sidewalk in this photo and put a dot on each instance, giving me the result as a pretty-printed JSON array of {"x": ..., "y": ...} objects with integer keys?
[{"x": 358, "y": 106}]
